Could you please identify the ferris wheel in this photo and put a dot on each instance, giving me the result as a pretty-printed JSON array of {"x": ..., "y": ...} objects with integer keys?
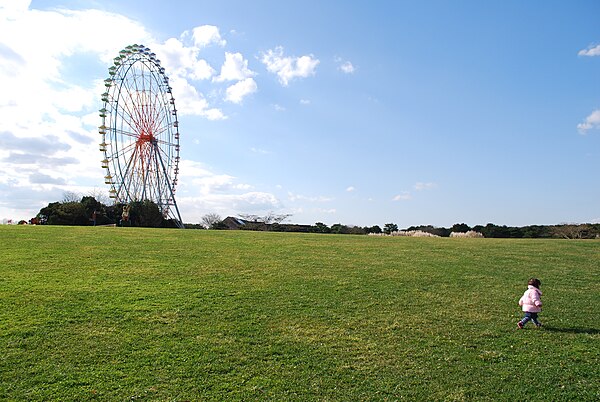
[{"x": 140, "y": 132}]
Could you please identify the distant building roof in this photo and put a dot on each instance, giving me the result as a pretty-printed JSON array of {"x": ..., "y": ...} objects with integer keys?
[{"x": 234, "y": 223}]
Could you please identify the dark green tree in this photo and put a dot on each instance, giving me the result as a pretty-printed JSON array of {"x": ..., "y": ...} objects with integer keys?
[
  {"x": 69, "y": 213},
  {"x": 45, "y": 213},
  {"x": 494, "y": 231},
  {"x": 374, "y": 229},
  {"x": 388, "y": 228},
  {"x": 536, "y": 231},
  {"x": 460, "y": 227},
  {"x": 357, "y": 230},
  {"x": 320, "y": 227},
  {"x": 145, "y": 214},
  {"x": 338, "y": 228},
  {"x": 95, "y": 210}
]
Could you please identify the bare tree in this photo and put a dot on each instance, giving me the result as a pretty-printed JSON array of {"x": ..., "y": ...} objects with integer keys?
[
  {"x": 250, "y": 217},
  {"x": 570, "y": 230},
  {"x": 255, "y": 222},
  {"x": 71, "y": 196},
  {"x": 100, "y": 196},
  {"x": 275, "y": 218},
  {"x": 268, "y": 219},
  {"x": 210, "y": 219}
]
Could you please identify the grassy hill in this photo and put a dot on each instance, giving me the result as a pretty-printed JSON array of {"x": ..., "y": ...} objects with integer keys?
[{"x": 141, "y": 314}]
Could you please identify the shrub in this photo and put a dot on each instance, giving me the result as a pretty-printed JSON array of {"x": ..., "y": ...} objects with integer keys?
[
  {"x": 406, "y": 233},
  {"x": 470, "y": 233}
]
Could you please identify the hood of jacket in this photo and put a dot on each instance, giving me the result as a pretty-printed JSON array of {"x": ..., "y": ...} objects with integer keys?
[{"x": 534, "y": 288}]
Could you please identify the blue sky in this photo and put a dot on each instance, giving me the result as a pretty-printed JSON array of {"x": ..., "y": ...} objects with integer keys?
[{"x": 361, "y": 113}]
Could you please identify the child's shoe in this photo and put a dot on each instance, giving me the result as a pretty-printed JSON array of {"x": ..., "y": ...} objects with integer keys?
[
  {"x": 519, "y": 325},
  {"x": 539, "y": 325}
]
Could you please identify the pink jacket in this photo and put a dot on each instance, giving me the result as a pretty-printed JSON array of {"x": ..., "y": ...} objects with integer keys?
[{"x": 531, "y": 301}]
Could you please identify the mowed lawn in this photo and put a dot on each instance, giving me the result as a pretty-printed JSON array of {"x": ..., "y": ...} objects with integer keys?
[{"x": 122, "y": 314}]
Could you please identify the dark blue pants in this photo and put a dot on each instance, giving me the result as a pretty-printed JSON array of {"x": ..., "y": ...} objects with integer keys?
[{"x": 531, "y": 317}]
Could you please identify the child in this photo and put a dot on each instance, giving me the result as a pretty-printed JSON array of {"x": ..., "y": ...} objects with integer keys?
[{"x": 531, "y": 303}]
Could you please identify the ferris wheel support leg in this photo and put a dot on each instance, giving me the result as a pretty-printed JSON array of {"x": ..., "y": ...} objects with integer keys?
[{"x": 178, "y": 220}]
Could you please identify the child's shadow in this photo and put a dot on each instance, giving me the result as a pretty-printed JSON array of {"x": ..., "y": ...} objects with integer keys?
[{"x": 589, "y": 331}]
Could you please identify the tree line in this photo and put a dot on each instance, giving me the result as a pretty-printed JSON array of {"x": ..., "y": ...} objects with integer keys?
[
  {"x": 87, "y": 210},
  {"x": 273, "y": 222}
]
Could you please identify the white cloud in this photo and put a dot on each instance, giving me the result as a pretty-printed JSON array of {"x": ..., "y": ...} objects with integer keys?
[
  {"x": 195, "y": 176},
  {"x": 287, "y": 68},
  {"x": 191, "y": 102},
  {"x": 279, "y": 108},
  {"x": 202, "y": 191},
  {"x": 591, "y": 122},
  {"x": 207, "y": 35},
  {"x": 304, "y": 102},
  {"x": 350, "y": 189},
  {"x": 238, "y": 91},
  {"x": 41, "y": 178},
  {"x": 261, "y": 151},
  {"x": 193, "y": 207},
  {"x": 298, "y": 197},
  {"x": 235, "y": 68},
  {"x": 402, "y": 197},
  {"x": 12, "y": 9},
  {"x": 592, "y": 50},
  {"x": 214, "y": 114},
  {"x": 347, "y": 67},
  {"x": 34, "y": 63},
  {"x": 183, "y": 61},
  {"x": 424, "y": 186},
  {"x": 46, "y": 145}
]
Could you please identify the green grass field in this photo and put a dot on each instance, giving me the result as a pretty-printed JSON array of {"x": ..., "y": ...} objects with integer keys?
[{"x": 118, "y": 314}]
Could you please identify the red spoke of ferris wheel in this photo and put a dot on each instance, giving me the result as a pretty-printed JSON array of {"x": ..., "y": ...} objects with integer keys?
[
  {"x": 136, "y": 118},
  {"x": 161, "y": 104},
  {"x": 144, "y": 170},
  {"x": 141, "y": 163},
  {"x": 138, "y": 173},
  {"x": 126, "y": 174},
  {"x": 167, "y": 184},
  {"x": 127, "y": 110},
  {"x": 151, "y": 107},
  {"x": 125, "y": 114},
  {"x": 151, "y": 123},
  {"x": 161, "y": 186},
  {"x": 125, "y": 150},
  {"x": 118, "y": 150},
  {"x": 121, "y": 154},
  {"x": 148, "y": 98},
  {"x": 126, "y": 106}
]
